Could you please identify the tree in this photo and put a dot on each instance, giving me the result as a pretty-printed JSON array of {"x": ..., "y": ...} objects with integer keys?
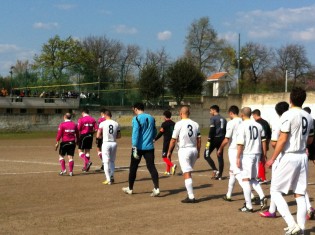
[
  {"x": 293, "y": 58},
  {"x": 150, "y": 83},
  {"x": 57, "y": 56},
  {"x": 201, "y": 44},
  {"x": 256, "y": 60},
  {"x": 184, "y": 78}
]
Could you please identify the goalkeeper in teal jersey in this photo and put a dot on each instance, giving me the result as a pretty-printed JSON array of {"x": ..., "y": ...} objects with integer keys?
[{"x": 143, "y": 134}]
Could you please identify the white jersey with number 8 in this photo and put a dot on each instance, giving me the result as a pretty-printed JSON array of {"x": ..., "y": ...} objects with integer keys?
[
  {"x": 110, "y": 128},
  {"x": 186, "y": 132}
]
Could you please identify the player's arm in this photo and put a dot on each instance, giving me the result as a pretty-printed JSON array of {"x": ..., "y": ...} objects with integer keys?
[
  {"x": 223, "y": 144},
  {"x": 161, "y": 132},
  {"x": 273, "y": 143},
  {"x": 135, "y": 132},
  {"x": 118, "y": 134},
  {"x": 264, "y": 148},
  {"x": 58, "y": 137},
  {"x": 240, "y": 149},
  {"x": 171, "y": 147},
  {"x": 99, "y": 133},
  {"x": 283, "y": 137}
]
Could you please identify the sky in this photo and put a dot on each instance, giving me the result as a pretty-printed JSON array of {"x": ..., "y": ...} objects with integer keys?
[{"x": 25, "y": 25}]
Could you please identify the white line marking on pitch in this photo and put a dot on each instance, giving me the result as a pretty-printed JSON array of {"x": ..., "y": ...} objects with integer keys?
[{"x": 26, "y": 173}]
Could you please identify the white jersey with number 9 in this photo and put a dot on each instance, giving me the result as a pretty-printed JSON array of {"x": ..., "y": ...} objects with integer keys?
[{"x": 186, "y": 132}]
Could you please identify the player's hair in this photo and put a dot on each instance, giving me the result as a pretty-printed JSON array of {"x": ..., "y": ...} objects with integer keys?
[
  {"x": 85, "y": 110},
  {"x": 215, "y": 107},
  {"x": 186, "y": 109},
  {"x": 257, "y": 112},
  {"x": 234, "y": 109},
  {"x": 167, "y": 114},
  {"x": 298, "y": 96},
  {"x": 307, "y": 109},
  {"x": 281, "y": 107},
  {"x": 108, "y": 113},
  {"x": 246, "y": 111},
  {"x": 139, "y": 106},
  {"x": 68, "y": 116},
  {"x": 103, "y": 110}
]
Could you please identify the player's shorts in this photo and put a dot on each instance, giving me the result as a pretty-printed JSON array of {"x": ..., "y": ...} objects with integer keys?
[
  {"x": 85, "y": 141},
  {"x": 249, "y": 169},
  {"x": 233, "y": 158},
  {"x": 165, "y": 149},
  {"x": 290, "y": 174},
  {"x": 67, "y": 148},
  {"x": 109, "y": 150},
  {"x": 99, "y": 143},
  {"x": 187, "y": 158}
]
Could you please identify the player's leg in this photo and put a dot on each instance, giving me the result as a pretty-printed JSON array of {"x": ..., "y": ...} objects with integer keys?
[
  {"x": 62, "y": 160},
  {"x": 207, "y": 157},
  {"x": 70, "y": 153},
  {"x": 220, "y": 158},
  {"x": 81, "y": 147},
  {"x": 134, "y": 163},
  {"x": 261, "y": 170},
  {"x": 112, "y": 162},
  {"x": 310, "y": 209},
  {"x": 149, "y": 159},
  {"x": 88, "y": 146},
  {"x": 246, "y": 175},
  {"x": 99, "y": 142},
  {"x": 106, "y": 156}
]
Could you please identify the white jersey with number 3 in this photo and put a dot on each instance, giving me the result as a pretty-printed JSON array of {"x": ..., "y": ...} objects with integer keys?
[
  {"x": 186, "y": 132},
  {"x": 110, "y": 128},
  {"x": 298, "y": 124},
  {"x": 250, "y": 134}
]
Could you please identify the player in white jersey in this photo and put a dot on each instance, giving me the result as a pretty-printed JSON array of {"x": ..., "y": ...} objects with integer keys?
[
  {"x": 280, "y": 108},
  {"x": 291, "y": 172},
  {"x": 187, "y": 133},
  {"x": 110, "y": 131},
  {"x": 250, "y": 145},
  {"x": 230, "y": 138}
]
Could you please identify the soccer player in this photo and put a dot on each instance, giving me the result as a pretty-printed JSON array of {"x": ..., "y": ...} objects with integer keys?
[
  {"x": 296, "y": 132},
  {"x": 215, "y": 138},
  {"x": 280, "y": 108},
  {"x": 311, "y": 157},
  {"x": 250, "y": 144},
  {"x": 143, "y": 134},
  {"x": 187, "y": 133},
  {"x": 261, "y": 165},
  {"x": 99, "y": 140},
  {"x": 68, "y": 134},
  {"x": 230, "y": 138},
  {"x": 110, "y": 131},
  {"x": 86, "y": 126},
  {"x": 166, "y": 130}
]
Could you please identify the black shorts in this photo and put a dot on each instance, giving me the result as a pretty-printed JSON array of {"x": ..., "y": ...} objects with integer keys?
[
  {"x": 165, "y": 149},
  {"x": 99, "y": 143},
  {"x": 67, "y": 148},
  {"x": 85, "y": 141}
]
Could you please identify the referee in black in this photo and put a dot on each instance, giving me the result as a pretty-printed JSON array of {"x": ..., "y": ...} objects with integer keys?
[{"x": 215, "y": 138}]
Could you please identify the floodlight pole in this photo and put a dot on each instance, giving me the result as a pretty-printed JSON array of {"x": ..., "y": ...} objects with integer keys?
[
  {"x": 99, "y": 76},
  {"x": 286, "y": 81},
  {"x": 238, "y": 64}
]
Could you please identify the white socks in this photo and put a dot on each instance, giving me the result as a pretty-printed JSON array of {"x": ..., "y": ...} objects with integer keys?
[
  {"x": 106, "y": 168},
  {"x": 301, "y": 211},
  {"x": 189, "y": 187},
  {"x": 247, "y": 194},
  {"x": 257, "y": 188},
  {"x": 283, "y": 208}
]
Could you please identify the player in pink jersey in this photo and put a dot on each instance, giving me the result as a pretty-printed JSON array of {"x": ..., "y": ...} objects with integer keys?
[
  {"x": 68, "y": 134},
  {"x": 99, "y": 141},
  {"x": 86, "y": 126}
]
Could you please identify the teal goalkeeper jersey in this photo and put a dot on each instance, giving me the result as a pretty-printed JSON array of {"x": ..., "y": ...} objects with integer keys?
[{"x": 143, "y": 131}]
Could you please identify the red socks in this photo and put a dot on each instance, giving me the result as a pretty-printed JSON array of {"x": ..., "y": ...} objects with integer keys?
[
  {"x": 71, "y": 164},
  {"x": 169, "y": 164}
]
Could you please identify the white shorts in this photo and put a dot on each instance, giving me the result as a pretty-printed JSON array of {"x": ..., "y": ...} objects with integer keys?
[
  {"x": 290, "y": 174},
  {"x": 187, "y": 158},
  {"x": 232, "y": 158},
  {"x": 249, "y": 168},
  {"x": 109, "y": 151}
]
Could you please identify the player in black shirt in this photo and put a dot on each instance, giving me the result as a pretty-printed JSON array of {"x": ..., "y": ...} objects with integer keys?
[{"x": 166, "y": 129}]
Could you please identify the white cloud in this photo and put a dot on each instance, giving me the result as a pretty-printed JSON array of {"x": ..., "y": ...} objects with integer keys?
[
  {"x": 123, "y": 29},
  {"x": 163, "y": 36},
  {"x": 65, "y": 6},
  {"x": 282, "y": 22},
  {"x": 304, "y": 35},
  {"x": 229, "y": 36},
  {"x": 10, "y": 53},
  {"x": 41, "y": 25}
]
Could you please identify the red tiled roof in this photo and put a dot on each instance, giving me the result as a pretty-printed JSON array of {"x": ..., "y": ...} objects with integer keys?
[{"x": 216, "y": 76}]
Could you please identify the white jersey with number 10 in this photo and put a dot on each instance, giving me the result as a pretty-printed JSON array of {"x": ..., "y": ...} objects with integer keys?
[
  {"x": 110, "y": 128},
  {"x": 186, "y": 132}
]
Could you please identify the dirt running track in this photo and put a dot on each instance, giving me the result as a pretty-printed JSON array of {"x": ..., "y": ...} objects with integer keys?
[{"x": 34, "y": 199}]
